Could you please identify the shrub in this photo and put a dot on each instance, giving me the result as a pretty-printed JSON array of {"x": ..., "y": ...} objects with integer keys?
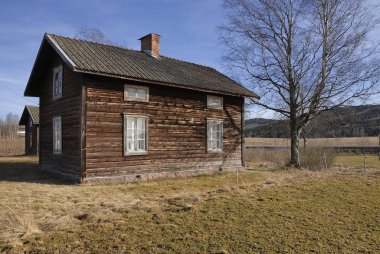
[{"x": 313, "y": 158}]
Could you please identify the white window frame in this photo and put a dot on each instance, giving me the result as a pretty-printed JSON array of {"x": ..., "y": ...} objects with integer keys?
[
  {"x": 125, "y": 137},
  {"x": 214, "y": 97},
  {"x": 56, "y": 138},
  {"x": 129, "y": 98},
  {"x": 209, "y": 123},
  {"x": 57, "y": 94}
]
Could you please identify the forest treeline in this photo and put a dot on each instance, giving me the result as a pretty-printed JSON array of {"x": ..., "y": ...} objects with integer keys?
[
  {"x": 9, "y": 126},
  {"x": 354, "y": 121}
]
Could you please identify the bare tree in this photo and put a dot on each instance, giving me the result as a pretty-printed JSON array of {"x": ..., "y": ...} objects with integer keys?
[
  {"x": 9, "y": 126},
  {"x": 302, "y": 56},
  {"x": 92, "y": 34}
]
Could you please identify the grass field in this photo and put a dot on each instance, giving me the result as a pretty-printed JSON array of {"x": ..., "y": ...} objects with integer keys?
[
  {"x": 316, "y": 142},
  {"x": 371, "y": 161},
  {"x": 270, "y": 212},
  {"x": 12, "y": 146}
]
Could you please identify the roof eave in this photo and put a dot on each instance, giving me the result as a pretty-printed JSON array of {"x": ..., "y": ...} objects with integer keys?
[{"x": 58, "y": 50}]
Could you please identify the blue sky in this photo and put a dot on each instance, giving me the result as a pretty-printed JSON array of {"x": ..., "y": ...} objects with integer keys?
[{"x": 187, "y": 28}]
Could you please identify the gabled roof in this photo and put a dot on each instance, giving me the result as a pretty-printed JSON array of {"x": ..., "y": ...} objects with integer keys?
[
  {"x": 107, "y": 60},
  {"x": 33, "y": 112}
]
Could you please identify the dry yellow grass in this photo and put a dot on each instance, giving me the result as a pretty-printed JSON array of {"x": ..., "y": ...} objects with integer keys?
[
  {"x": 316, "y": 142},
  {"x": 281, "y": 211},
  {"x": 12, "y": 146}
]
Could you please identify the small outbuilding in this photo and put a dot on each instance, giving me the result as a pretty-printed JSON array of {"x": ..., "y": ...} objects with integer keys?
[{"x": 31, "y": 119}]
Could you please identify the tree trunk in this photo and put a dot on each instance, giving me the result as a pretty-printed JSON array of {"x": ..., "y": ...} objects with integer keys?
[{"x": 294, "y": 141}]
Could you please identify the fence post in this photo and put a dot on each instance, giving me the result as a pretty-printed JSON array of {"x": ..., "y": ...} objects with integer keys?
[{"x": 324, "y": 157}]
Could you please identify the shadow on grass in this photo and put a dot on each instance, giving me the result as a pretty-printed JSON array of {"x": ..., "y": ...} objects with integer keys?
[{"x": 23, "y": 168}]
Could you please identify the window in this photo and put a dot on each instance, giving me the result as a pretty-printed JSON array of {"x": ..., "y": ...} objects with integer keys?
[
  {"x": 30, "y": 139},
  {"x": 214, "y": 102},
  {"x": 57, "y": 82},
  {"x": 214, "y": 135},
  {"x": 57, "y": 135},
  {"x": 30, "y": 121},
  {"x": 135, "y": 134},
  {"x": 136, "y": 93}
]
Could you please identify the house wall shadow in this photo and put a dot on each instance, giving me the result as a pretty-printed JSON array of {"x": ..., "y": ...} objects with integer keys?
[{"x": 23, "y": 168}]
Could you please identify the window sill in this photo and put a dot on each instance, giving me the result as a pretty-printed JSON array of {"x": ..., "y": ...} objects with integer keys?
[
  {"x": 57, "y": 99},
  {"x": 216, "y": 108},
  {"x": 136, "y": 100},
  {"x": 215, "y": 151},
  {"x": 135, "y": 153},
  {"x": 57, "y": 153}
]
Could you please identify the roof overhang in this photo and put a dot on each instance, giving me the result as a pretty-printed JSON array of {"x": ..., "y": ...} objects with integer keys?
[{"x": 49, "y": 46}]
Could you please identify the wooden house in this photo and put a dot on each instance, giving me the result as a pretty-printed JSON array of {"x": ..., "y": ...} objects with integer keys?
[
  {"x": 30, "y": 118},
  {"x": 111, "y": 114}
]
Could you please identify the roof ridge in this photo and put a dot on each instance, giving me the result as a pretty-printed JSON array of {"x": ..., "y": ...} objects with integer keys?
[
  {"x": 93, "y": 42},
  {"x": 34, "y": 106},
  {"x": 121, "y": 47}
]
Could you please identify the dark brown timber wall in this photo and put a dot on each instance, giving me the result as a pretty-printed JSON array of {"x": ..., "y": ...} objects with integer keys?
[
  {"x": 68, "y": 107},
  {"x": 31, "y": 139},
  {"x": 177, "y": 130}
]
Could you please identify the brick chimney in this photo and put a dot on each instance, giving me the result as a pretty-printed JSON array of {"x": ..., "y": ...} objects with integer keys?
[{"x": 150, "y": 44}]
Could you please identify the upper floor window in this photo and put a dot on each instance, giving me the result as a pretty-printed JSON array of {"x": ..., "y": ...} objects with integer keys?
[
  {"x": 136, "y": 93},
  {"x": 214, "y": 135},
  {"x": 57, "y": 135},
  {"x": 57, "y": 82},
  {"x": 214, "y": 102}
]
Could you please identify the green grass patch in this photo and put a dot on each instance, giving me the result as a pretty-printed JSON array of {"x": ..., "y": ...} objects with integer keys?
[{"x": 372, "y": 161}]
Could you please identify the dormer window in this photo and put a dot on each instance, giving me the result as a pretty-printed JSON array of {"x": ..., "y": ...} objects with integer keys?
[
  {"x": 57, "y": 82},
  {"x": 136, "y": 93},
  {"x": 214, "y": 102}
]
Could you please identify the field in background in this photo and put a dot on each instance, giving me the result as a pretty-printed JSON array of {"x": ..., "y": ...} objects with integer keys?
[
  {"x": 370, "y": 161},
  {"x": 12, "y": 146},
  {"x": 289, "y": 211},
  {"x": 316, "y": 142}
]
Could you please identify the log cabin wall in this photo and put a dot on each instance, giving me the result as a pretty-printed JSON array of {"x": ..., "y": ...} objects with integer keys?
[
  {"x": 67, "y": 164},
  {"x": 177, "y": 132},
  {"x": 31, "y": 139}
]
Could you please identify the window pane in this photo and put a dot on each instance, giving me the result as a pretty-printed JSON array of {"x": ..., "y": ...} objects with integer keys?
[
  {"x": 215, "y": 102},
  {"x": 141, "y": 144},
  {"x": 141, "y": 134},
  {"x": 141, "y": 123},
  {"x": 57, "y": 135},
  {"x": 141, "y": 93},
  {"x": 131, "y": 92},
  {"x": 213, "y": 144},
  {"x": 131, "y": 123},
  {"x": 130, "y": 146}
]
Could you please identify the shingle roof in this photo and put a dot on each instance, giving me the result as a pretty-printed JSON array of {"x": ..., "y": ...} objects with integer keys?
[
  {"x": 33, "y": 111},
  {"x": 101, "y": 59}
]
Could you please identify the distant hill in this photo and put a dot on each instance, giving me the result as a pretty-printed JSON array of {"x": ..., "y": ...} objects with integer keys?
[{"x": 354, "y": 121}]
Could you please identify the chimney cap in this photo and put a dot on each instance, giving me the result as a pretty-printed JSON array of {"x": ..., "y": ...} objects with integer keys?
[{"x": 150, "y": 34}]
